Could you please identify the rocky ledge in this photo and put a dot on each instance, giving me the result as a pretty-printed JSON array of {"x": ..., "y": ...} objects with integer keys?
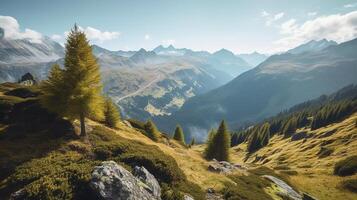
[
  {"x": 112, "y": 182},
  {"x": 224, "y": 167}
]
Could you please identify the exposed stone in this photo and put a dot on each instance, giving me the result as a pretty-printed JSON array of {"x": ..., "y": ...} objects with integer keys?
[
  {"x": 144, "y": 176},
  {"x": 223, "y": 166},
  {"x": 187, "y": 197},
  {"x": 18, "y": 195},
  {"x": 285, "y": 190},
  {"x": 112, "y": 182}
]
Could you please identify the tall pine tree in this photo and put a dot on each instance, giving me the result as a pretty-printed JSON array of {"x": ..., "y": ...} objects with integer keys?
[
  {"x": 218, "y": 147},
  {"x": 111, "y": 113},
  {"x": 178, "y": 135},
  {"x": 78, "y": 86}
]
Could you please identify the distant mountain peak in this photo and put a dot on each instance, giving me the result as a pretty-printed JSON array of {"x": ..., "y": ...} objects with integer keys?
[
  {"x": 312, "y": 46},
  {"x": 223, "y": 51}
]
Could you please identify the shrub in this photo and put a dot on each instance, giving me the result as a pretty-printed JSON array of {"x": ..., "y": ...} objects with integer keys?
[
  {"x": 24, "y": 92},
  {"x": 178, "y": 135},
  {"x": 346, "y": 167},
  {"x": 111, "y": 114},
  {"x": 136, "y": 124},
  {"x": 250, "y": 187},
  {"x": 324, "y": 152},
  {"x": 152, "y": 131},
  {"x": 350, "y": 185}
]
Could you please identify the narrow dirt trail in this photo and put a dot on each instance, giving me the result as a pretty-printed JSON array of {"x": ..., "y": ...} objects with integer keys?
[{"x": 140, "y": 89}]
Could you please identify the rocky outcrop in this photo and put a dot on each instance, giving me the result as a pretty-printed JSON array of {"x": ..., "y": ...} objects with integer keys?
[
  {"x": 112, "y": 182},
  {"x": 18, "y": 195},
  {"x": 224, "y": 167},
  {"x": 144, "y": 176},
  {"x": 285, "y": 190}
]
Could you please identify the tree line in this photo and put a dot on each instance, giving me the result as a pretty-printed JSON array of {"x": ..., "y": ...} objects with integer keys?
[{"x": 313, "y": 114}]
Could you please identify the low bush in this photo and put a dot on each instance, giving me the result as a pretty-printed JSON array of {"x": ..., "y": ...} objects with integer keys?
[
  {"x": 136, "y": 124},
  {"x": 346, "y": 167},
  {"x": 250, "y": 187},
  {"x": 324, "y": 152},
  {"x": 350, "y": 185}
]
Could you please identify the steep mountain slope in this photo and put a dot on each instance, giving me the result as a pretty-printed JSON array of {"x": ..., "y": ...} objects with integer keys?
[
  {"x": 312, "y": 46},
  {"x": 60, "y": 164},
  {"x": 254, "y": 58},
  {"x": 25, "y": 51},
  {"x": 278, "y": 83},
  {"x": 226, "y": 61},
  {"x": 147, "y": 83},
  {"x": 159, "y": 89},
  {"x": 310, "y": 161},
  {"x": 20, "y": 56}
]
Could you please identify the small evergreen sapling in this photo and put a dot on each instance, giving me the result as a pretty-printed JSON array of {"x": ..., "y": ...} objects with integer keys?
[
  {"x": 111, "y": 113},
  {"x": 151, "y": 130},
  {"x": 178, "y": 135}
]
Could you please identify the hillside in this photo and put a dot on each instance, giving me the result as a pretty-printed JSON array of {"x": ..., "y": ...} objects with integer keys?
[
  {"x": 278, "y": 83},
  {"x": 309, "y": 161},
  {"x": 182, "y": 168}
]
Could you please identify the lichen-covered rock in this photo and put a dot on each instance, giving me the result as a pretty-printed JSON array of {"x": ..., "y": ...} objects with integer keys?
[
  {"x": 112, "y": 182},
  {"x": 187, "y": 197},
  {"x": 20, "y": 194},
  {"x": 223, "y": 167},
  {"x": 144, "y": 176},
  {"x": 285, "y": 190}
]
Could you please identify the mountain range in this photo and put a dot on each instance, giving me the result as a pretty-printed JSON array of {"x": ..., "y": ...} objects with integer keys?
[
  {"x": 147, "y": 83},
  {"x": 178, "y": 83},
  {"x": 274, "y": 85}
]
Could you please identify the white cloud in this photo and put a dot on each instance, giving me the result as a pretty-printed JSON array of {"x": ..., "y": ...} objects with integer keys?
[
  {"x": 265, "y": 13},
  {"x": 278, "y": 16},
  {"x": 352, "y": 5},
  {"x": 288, "y": 27},
  {"x": 12, "y": 30},
  {"x": 312, "y": 13},
  {"x": 101, "y": 36},
  {"x": 168, "y": 42},
  {"x": 270, "y": 19},
  {"x": 56, "y": 37},
  {"x": 147, "y": 37},
  {"x": 94, "y": 34},
  {"x": 337, "y": 27}
]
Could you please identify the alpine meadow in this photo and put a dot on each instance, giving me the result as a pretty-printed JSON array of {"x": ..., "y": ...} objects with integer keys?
[{"x": 178, "y": 100}]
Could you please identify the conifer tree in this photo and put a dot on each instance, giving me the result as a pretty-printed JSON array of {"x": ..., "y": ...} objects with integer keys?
[
  {"x": 222, "y": 142},
  {"x": 234, "y": 139},
  {"x": 209, "y": 150},
  {"x": 218, "y": 146},
  {"x": 178, "y": 135},
  {"x": 78, "y": 86},
  {"x": 152, "y": 130},
  {"x": 290, "y": 127},
  {"x": 253, "y": 143},
  {"x": 193, "y": 141},
  {"x": 111, "y": 113},
  {"x": 53, "y": 93}
]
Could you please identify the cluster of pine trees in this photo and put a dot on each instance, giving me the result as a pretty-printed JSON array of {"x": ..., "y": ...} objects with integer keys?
[
  {"x": 314, "y": 114},
  {"x": 218, "y": 144},
  {"x": 75, "y": 91},
  {"x": 333, "y": 113}
]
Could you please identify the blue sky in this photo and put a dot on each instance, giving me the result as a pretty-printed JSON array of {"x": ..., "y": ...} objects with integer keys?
[{"x": 240, "y": 26}]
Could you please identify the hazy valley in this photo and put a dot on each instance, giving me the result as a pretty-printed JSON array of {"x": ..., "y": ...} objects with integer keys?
[{"x": 168, "y": 100}]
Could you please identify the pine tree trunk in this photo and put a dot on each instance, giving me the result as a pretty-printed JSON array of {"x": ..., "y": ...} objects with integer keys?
[{"x": 83, "y": 126}]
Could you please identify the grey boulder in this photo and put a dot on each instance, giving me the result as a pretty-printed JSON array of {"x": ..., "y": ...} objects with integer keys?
[{"x": 112, "y": 182}]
